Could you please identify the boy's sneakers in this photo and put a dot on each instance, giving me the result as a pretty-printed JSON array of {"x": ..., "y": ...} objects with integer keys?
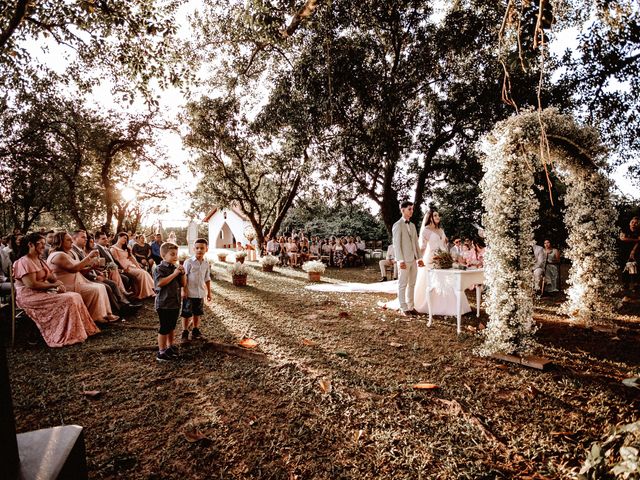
[
  {"x": 163, "y": 356},
  {"x": 185, "y": 335},
  {"x": 195, "y": 333},
  {"x": 173, "y": 352}
]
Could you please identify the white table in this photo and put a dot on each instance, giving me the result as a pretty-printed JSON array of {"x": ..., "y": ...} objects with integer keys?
[{"x": 459, "y": 280}]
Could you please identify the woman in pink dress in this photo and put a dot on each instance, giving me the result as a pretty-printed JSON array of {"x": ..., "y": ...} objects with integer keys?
[
  {"x": 61, "y": 316},
  {"x": 143, "y": 282},
  {"x": 68, "y": 271}
]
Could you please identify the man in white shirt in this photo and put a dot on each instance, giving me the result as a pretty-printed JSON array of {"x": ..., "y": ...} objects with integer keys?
[
  {"x": 271, "y": 247},
  {"x": 352, "y": 252},
  {"x": 456, "y": 250},
  {"x": 389, "y": 261},
  {"x": 405, "y": 241}
]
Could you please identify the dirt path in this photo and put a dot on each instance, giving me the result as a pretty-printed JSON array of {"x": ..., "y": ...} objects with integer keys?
[{"x": 332, "y": 396}]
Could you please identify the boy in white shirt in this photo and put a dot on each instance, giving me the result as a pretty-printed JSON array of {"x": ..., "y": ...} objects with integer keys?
[{"x": 198, "y": 273}]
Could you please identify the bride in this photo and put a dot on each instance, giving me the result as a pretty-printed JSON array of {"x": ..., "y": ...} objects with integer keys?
[{"x": 443, "y": 300}]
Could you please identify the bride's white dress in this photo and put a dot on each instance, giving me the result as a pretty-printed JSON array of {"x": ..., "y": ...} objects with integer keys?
[{"x": 443, "y": 299}]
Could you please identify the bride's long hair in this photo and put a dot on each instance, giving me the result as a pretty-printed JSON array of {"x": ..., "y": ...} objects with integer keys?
[{"x": 428, "y": 219}]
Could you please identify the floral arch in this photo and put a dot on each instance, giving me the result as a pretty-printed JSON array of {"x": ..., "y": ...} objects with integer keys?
[{"x": 512, "y": 154}]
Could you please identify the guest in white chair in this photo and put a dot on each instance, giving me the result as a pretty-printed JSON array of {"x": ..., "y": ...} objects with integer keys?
[{"x": 389, "y": 261}]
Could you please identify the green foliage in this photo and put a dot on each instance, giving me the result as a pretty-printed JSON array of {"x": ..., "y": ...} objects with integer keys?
[
  {"x": 317, "y": 217},
  {"x": 618, "y": 457}
]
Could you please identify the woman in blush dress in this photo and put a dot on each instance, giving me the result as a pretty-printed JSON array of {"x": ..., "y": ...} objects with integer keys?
[
  {"x": 68, "y": 271},
  {"x": 443, "y": 300},
  {"x": 143, "y": 283},
  {"x": 61, "y": 316}
]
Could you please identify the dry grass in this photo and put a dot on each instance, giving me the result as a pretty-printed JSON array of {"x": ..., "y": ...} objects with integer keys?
[{"x": 334, "y": 399}]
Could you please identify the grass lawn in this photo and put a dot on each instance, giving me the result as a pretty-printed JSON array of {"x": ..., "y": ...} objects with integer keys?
[{"x": 329, "y": 392}]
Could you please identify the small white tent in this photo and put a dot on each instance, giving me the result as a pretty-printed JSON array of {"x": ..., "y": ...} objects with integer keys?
[{"x": 226, "y": 227}]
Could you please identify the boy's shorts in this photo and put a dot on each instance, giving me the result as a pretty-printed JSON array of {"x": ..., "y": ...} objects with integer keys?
[
  {"x": 168, "y": 320},
  {"x": 191, "y": 307}
]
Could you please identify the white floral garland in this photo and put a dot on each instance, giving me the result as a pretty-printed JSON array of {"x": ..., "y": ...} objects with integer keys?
[{"x": 511, "y": 156}]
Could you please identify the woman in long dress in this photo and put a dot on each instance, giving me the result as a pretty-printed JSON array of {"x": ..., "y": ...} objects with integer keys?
[
  {"x": 61, "y": 316},
  {"x": 443, "y": 298},
  {"x": 143, "y": 283},
  {"x": 68, "y": 270},
  {"x": 551, "y": 269}
]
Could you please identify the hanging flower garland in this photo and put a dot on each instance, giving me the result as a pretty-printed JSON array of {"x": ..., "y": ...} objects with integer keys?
[{"x": 511, "y": 159}]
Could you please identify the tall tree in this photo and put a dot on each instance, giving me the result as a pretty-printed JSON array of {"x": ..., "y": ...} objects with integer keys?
[{"x": 257, "y": 172}]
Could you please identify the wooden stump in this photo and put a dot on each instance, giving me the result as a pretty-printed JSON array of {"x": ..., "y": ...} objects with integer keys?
[
  {"x": 267, "y": 268},
  {"x": 314, "y": 276}
]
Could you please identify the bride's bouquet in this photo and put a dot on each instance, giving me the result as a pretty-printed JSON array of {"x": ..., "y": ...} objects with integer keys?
[{"x": 442, "y": 259}]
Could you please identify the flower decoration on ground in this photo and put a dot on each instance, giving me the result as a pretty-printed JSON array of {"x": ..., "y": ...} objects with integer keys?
[
  {"x": 269, "y": 260},
  {"x": 239, "y": 269},
  {"x": 314, "y": 266},
  {"x": 512, "y": 154}
]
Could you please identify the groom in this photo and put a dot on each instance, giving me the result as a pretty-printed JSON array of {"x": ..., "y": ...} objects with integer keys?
[{"x": 405, "y": 242}]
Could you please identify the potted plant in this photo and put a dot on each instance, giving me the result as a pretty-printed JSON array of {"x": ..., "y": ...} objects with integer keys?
[
  {"x": 314, "y": 268},
  {"x": 239, "y": 274},
  {"x": 182, "y": 258},
  {"x": 240, "y": 256},
  {"x": 268, "y": 262},
  {"x": 222, "y": 256}
]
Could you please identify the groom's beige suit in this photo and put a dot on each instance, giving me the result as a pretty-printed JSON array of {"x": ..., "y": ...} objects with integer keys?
[{"x": 405, "y": 243}]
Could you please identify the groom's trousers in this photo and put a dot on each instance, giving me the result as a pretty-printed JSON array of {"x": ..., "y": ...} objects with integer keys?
[{"x": 406, "y": 285}]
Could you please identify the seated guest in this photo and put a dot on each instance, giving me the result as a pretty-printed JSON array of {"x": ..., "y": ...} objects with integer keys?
[
  {"x": 13, "y": 247},
  {"x": 5, "y": 272},
  {"x": 142, "y": 251},
  {"x": 456, "y": 250},
  {"x": 111, "y": 266},
  {"x": 117, "y": 299},
  {"x": 142, "y": 281},
  {"x": 326, "y": 251},
  {"x": 304, "y": 251},
  {"x": 474, "y": 257},
  {"x": 292, "y": 252},
  {"x": 362, "y": 247},
  {"x": 272, "y": 247},
  {"x": 155, "y": 248},
  {"x": 68, "y": 271},
  {"x": 630, "y": 239},
  {"x": 284, "y": 257},
  {"x": 61, "y": 316},
  {"x": 314, "y": 250},
  {"x": 49, "y": 241},
  {"x": 553, "y": 263},
  {"x": 389, "y": 261},
  {"x": 338, "y": 254},
  {"x": 351, "y": 252},
  {"x": 540, "y": 260}
]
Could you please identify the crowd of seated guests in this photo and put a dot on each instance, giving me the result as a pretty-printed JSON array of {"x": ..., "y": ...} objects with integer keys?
[
  {"x": 335, "y": 251},
  {"x": 68, "y": 283}
]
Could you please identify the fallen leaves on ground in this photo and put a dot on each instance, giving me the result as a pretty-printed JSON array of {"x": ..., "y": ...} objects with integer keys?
[
  {"x": 193, "y": 436},
  {"x": 308, "y": 343},
  {"x": 248, "y": 343},
  {"x": 325, "y": 385},
  {"x": 92, "y": 393},
  {"x": 425, "y": 386},
  {"x": 396, "y": 345}
]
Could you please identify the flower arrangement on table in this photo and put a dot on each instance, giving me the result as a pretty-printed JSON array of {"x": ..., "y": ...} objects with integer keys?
[
  {"x": 268, "y": 262},
  {"x": 442, "y": 259},
  {"x": 314, "y": 269},
  {"x": 239, "y": 273}
]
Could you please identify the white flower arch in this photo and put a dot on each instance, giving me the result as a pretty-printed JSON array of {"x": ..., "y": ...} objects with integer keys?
[{"x": 512, "y": 154}]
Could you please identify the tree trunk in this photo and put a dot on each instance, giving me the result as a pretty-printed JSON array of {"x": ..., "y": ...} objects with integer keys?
[
  {"x": 284, "y": 208},
  {"x": 108, "y": 191}
]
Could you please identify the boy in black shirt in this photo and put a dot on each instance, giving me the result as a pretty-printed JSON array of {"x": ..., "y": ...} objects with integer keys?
[{"x": 169, "y": 279}]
